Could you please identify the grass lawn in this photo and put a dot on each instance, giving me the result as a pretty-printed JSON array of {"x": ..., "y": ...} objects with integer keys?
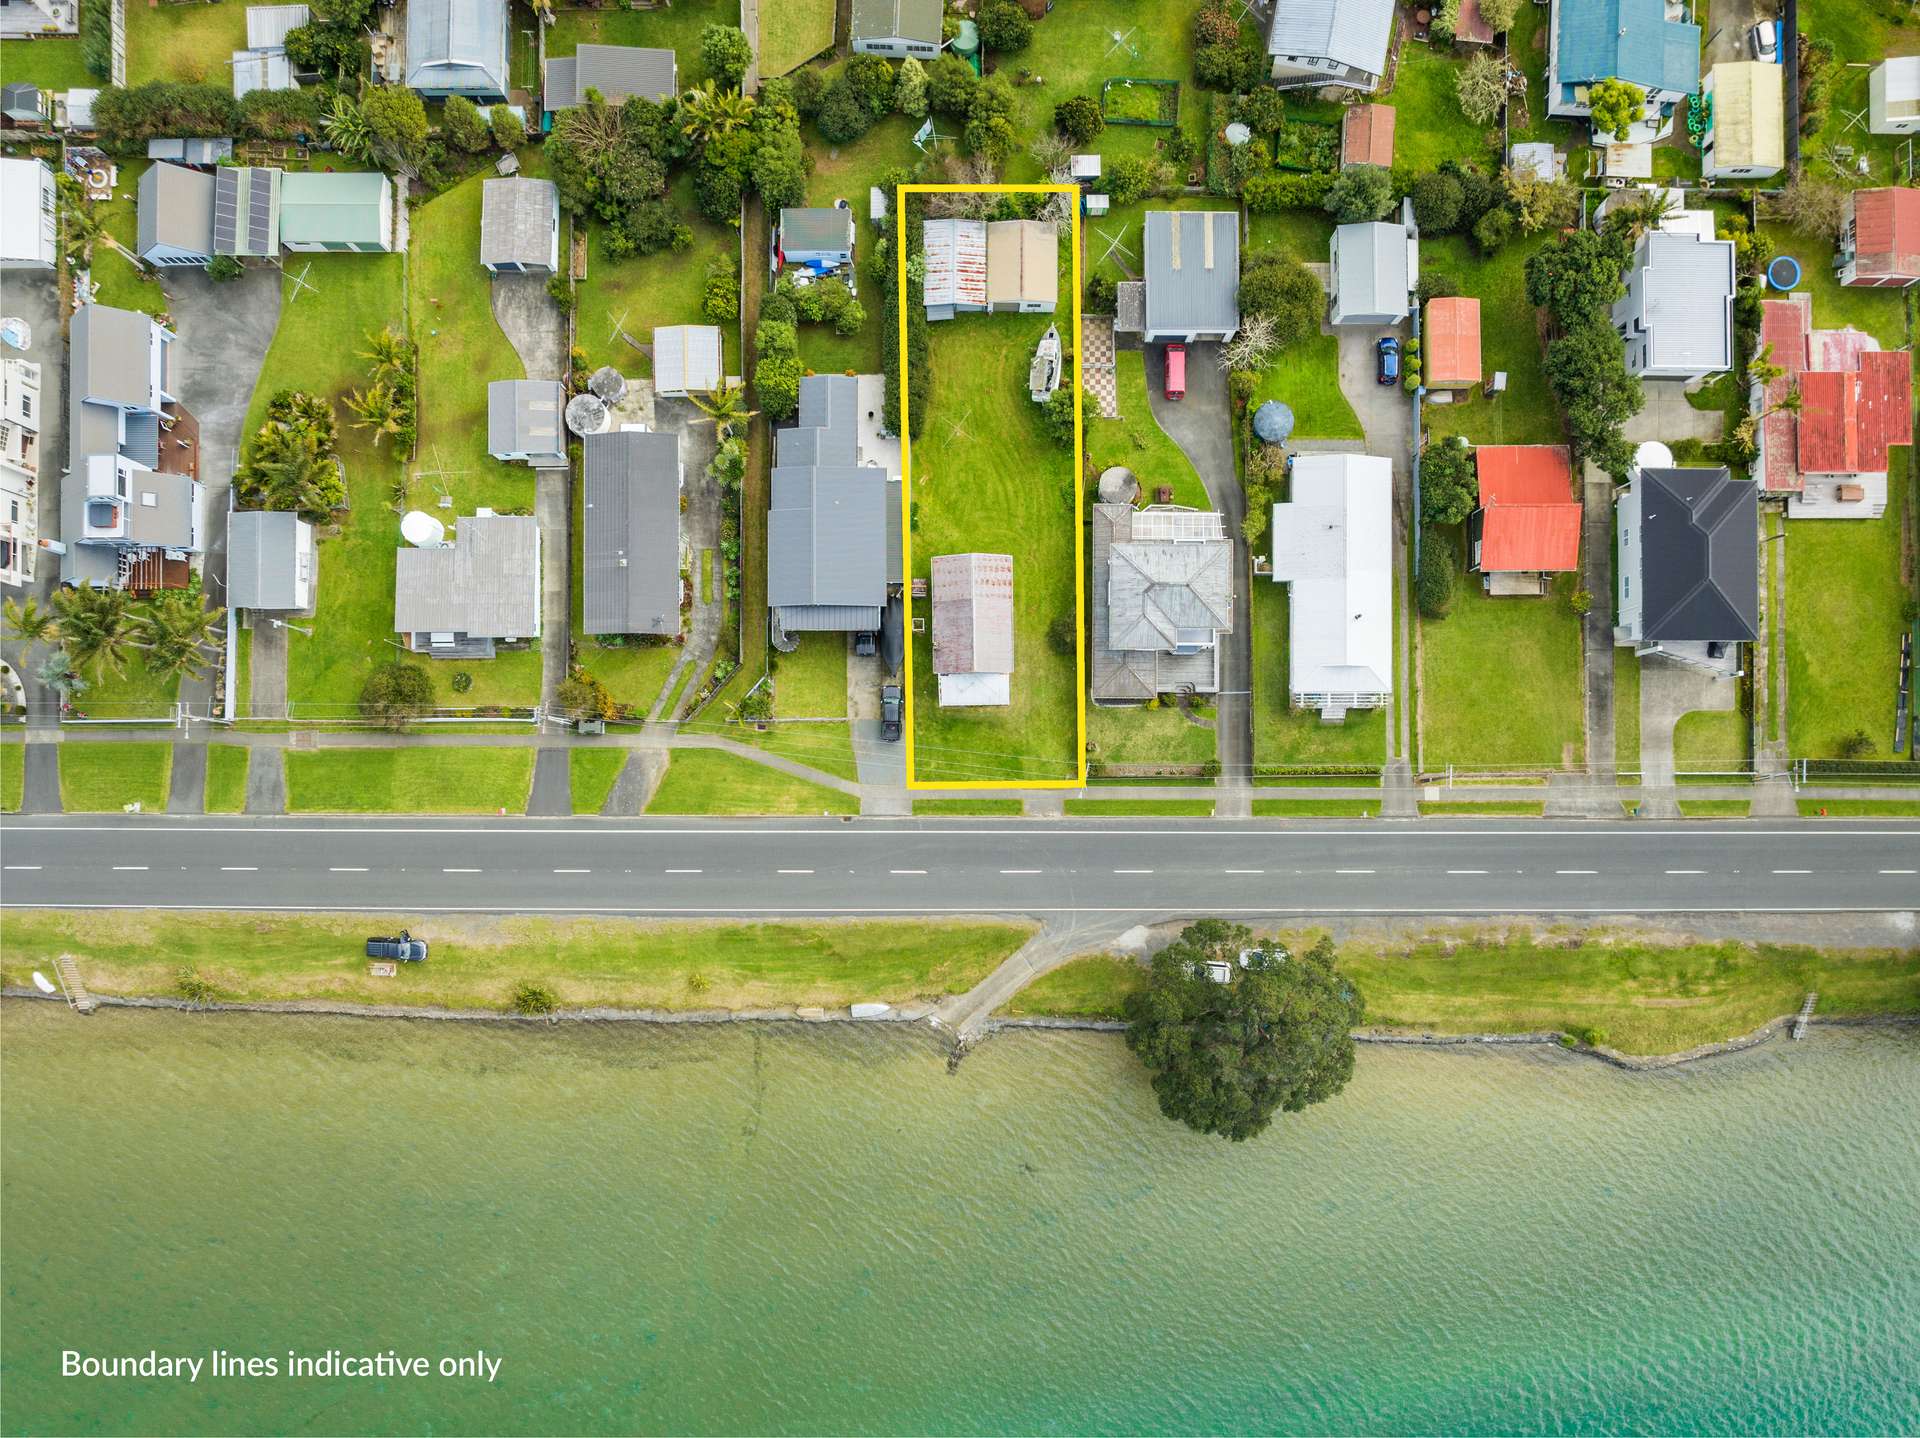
[
  {"x": 477, "y": 960},
  {"x": 1626, "y": 711},
  {"x": 1306, "y": 375},
  {"x": 1480, "y": 808},
  {"x": 227, "y": 778},
  {"x": 133, "y": 693},
  {"x": 409, "y": 781},
  {"x": 986, "y": 476},
  {"x": 1526, "y": 413},
  {"x": 974, "y": 808},
  {"x": 1137, "y": 735},
  {"x": 1162, "y": 808},
  {"x": 1315, "y": 808},
  {"x": 13, "y": 775},
  {"x": 675, "y": 27},
  {"x": 591, "y": 773},
  {"x": 122, "y": 283},
  {"x": 1094, "y": 987},
  {"x": 1881, "y": 313},
  {"x": 96, "y": 778},
  {"x": 51, "y": 64},
  {"x": 1500, "y": 680},
  {"x": 1858, "y": 809},
  {"x": 1712, "y": 741},
  {"x": 1136, "y": 439},
  {"x": 809, "y": 684},
  {"x": 1715, "y": 808},
  {"x": 1287, "y": 737},
  {"x": 184, "y": 42},
  {"x": 793, "y": 32},
  {"x": 1862, "y": 35},
  {"x": 1428, "y": 126},
  {"x": 1843, "y": 612},
  {"x": 705, "y": 781}
]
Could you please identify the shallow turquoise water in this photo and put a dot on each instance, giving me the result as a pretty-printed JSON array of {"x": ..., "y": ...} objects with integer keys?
[{"x": 741, "y": 1229}]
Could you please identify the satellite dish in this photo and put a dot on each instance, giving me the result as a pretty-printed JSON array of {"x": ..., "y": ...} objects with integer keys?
[
  {"x": 1273, "y": 422},
  {"x": 608, "y": 384},
  {"x": 16, "y": 332},
  {"x": 422, "y": 530},
  {"x": 1238, "y": 134},
  {"x": 586, "y": 414}
]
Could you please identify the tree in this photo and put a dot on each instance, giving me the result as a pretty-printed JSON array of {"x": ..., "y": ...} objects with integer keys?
[
  {"x": 720, "y": 299},
  {"x": 81, "y": 225},
  {"x": 1131, "y": 178},
  {"x": 1814, "y": 206},
  {"x": 585, "y": 697},
  {"x": 779, "y": 171},
  {"x": 1252, "y": 346},
  {"x": 1616, "y": 105},
  {"x": 27, "y": 622},
  {"x": 1433, "y": 591},
  {"x": 325, "y": 49},
  {"x": 1004, "y": 26},
  {"x": 1500, "y": 14},
  {"x": 1078, "y": 117},
  {"x": 1228, "y": 68},
  {"x": 1586, "y": 369},
  {"x": 726, "y": 52},
  {"x": 180, "y": 632},
  {"x": 1274, "y": 284},
  {"x": 379, "y": 408},
  {"x": 910, "y": 89},
  {"x": 1051, "y": 152},
  {"x": 1480, "y": 86},
  {"x": 225, "y": 267},
  {"x": 1225, "y": 1057},
  {"x": 1576, "y": 275},
  {"x": 708, "y": 112},
  {"x": 1360, "y": 193},
  {"x": 508, "y": 131},
  {"x": 461, "y": 123},
  {"x": 347, "y": 130},
  {"x": 843, "y": 119},
  {"x": 1058, "y": 414},
  {"x": 396, "y": 694},
  {"x": 1539, "y": 203},
  {"x": 97, "y": 626},
  {"x": 726, "y": 407},
  {"x": 1449, "y": 488},
  {"x": 950, "y": 85},
  {"x": 1445, "y": 24},
  {"x": 397, "y": 120},
  {"x": 388, "y": 353},
  {"x": 810, "y": 90},
  {"x": 57, "y": 673},
  {"x": 1436, "y": 202},
  {"x": 1262, "y": 110}
]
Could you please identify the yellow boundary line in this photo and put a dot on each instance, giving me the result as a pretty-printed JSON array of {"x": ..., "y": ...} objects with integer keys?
[{"x": 906, "y": 491}]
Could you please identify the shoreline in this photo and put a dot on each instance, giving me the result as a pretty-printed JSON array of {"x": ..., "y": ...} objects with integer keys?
[{"x": 923, "y": 1011}]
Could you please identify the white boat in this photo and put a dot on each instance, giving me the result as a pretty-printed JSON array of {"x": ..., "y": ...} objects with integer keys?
[
  {"x": 872, "y": 1011},
  {"x": 1043, "y": 377}
]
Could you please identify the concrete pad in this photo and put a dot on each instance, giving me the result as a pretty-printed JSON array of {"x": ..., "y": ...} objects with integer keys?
[
  {"x": 267, "y": 783},
  {"x": 552, "y": 792},
  {"x": 187, "y": 791}
]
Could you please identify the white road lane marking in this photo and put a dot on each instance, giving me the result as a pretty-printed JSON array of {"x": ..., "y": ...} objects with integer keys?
[
  {"x": 1466, "y": 871},
  {"x": 129, "y": 868},
  {"x": 1133, "y": 871},
  {"x": 1019, "y": 871},
  {"x": 239, "y": 868},
  {"x": 1686, "y": 871},
  {"x": 1576, "y": 871},
  {"x": 345, "y": 869},
  {"x": 24, "y": 868},
  {"x": 1896, "y": 871},
  {"x": 681, "y": 871},
  {"x": 906, "y": 871},
  {"x": 573, "y": 871},
  {"x": 1243, "y": 871},
  {"x": 1353, "y": 871},
  {"x": 793, "y": 871},
  {"x": 1793, "y": 871},
  {"x": 461, "y": 871}
]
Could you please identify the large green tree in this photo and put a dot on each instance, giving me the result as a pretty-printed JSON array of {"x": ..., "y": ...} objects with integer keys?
[
  {"x": 1576, "y": 276},
  {"x": 1616, "y": 105},
  {"x": 1586, "y": 369},
  {"x": 1275, "y": 1037}
]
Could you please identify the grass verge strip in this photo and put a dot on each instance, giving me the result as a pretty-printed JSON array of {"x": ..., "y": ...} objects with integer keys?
[
  {"x": 438, "y": 780},
  {"x": 97, "y": 778}
]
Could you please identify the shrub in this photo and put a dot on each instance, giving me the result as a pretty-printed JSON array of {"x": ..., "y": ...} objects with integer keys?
[
  {"x": 1449, "y": 489},
  {"x": 1436, "y": 202},
  {"x": 1492, "y": 230},
  {"x": 950, "y": 85},
  {"x": 533, "y": 999},
  {"x": 396, "y": 694},
  {"x": 96, "y": 40},
  {"x": 560, "y": 292},
  {"x": 1078, "y": 118},
  {"x": 1102, "y": 294},
  {"x": 720, "y": 301},
  {"x": 910, "y": 89},
  {"x": 810, "y": 91},
  {"x": 1434, "y": 592},
  {"x": 726, "y": 52},
  {"x": 871, "y": 78},
  {"x": 1063, "y": 635},
  {"x": 1275, "y": 190},
  {"x": 1215, "y": 24},
  {"x": 507, "y": 129},
  {"x": 1058, "y": 413},
  {"x": 461, "y": 682},
  {"x": 1856, "y": 745},
  {"x": 1274, "y": 284},
  {"x": 1004, "y": 26},
  {"x": 1358, "y": 194},
  {"x": 1263, "y": 111},
  {"x": 225, "y": 267},
  {"x": 1130, "y": 179},
  {"x": 843, "y": 118},
  {"x": 193, "y": 986},
  {"x": 1228, "y": 68},
  {"x": 462, "y": 126}
]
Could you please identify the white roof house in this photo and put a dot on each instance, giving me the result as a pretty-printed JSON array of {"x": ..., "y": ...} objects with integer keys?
[
  {"x": 26, "y": 215},
  {"x": 1677, "y": 313},
  {"x": 1333, "y": 548},
  {"x": 1375, "y": 269},
  {"x": 973, "y": 629},
  {"x": 1330, "y": 42},
  {"x": 1893, "y": 96},
  {"x": 686, "y": 360}
]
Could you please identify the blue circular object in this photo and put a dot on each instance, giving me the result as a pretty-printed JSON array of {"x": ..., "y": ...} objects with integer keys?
[
  {"x": 1784, "y": 272},
  {"x": 1273, "y": 422}
]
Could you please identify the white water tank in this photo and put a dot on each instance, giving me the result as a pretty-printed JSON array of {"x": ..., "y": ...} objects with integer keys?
[
  {"x": 422, "y": 530},
  {"x": 1652, "y": 454},
  {"x": 587, "y": 414}
]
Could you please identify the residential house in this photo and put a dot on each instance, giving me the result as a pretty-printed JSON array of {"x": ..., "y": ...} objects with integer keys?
[
  {"x": 1746, "y": 137},
  {"x": 630, "y": 532},
  {"x": 1450, "y": 343},
  {"x": 465, "y": 599},
  {"x": 1330, "y": 42},
  {"x": 687, "y": 359},
  {"x": 270, "y": 562},
  {"x": 24, "y": 104},
  {"x": 458, "y": 47},
  {"x": 1023, "y": 267},
  {"x": 897, "y": 28},
  {"x": 1829, "y": 457},
  {"x": 1375, "y": 270},
  {"x": 816, "y": 238},
  {"x": 1686, "y": 564},
  {"x": 1333, "y": 549},
  {"x": 520, "y": 226},
  {"x": 175, "y": 216},
  {"x": 40, "y": 17},
  {"x": 524, "y": 422},
  {"x": 246, "y": 212},
  {"x": 1893, "y": 96},
  {"x": 130, "y": 504},
  {"x": 1676, "y": 317},
  {"x": 28, "y": 215},
  {"x": 973, "y": 629},
  {"x": 1162, "y": 597},
  {"x": 1366, "y": 136},
  {"x": 956, "y": 262},
  {"x": 19, "y": 468},
  {"x": 1639, "y": 41},
  {"x": 1880, "y": 243},
  {"x": 833, "y": 527},
  {"x": 264, "y": 64},
  {"x": 345, "y": 212},
  {"x": 1527, "y": 527},
  {"x": 1191, "y": 289},
  {"x": 618, "y": 72}
]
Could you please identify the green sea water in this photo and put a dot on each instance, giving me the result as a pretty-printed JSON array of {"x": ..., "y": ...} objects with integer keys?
[{"x": 760, "y": 1228}]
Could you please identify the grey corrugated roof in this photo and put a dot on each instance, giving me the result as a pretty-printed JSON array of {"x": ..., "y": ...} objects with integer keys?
[
  {"x": 485, "y": 584},
  {"x": 972, "y": 613},
  {"x": 897, "y": 20},
  {"x": 457, "y": 45},
  {"x": 193, "y": 152},
  {"x": 687, "y": 359},
  {"x": 267, "y": 25},
  {"x": 175, "y": 209},
  {"x": 1699, "y": 570},
  {"x": 1372, "y": 272},
  {"x": 825, "y": 227},
  {"x": 1190, "y": 294},
  {"x": 261, "y": 70},
  {"x": 832, "y": 527},
  {"x": 524, "y": 416},
  {"x": 616, "y": 71},
  {"x": 109, "y": 353},
  {"x": 517, "y": 221},
  {"x": 630, "y": 533},
  {"x": 1353, "y": 32},
  {"x": 1689, "y": 286},
  {"x": 263, "y": 559}
]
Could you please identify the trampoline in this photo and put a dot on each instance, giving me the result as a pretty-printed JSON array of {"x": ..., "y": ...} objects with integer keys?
[{"x": 1784, "y": 272}]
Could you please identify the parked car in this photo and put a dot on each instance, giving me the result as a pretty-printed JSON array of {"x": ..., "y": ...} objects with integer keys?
[
  {"x": 1764, "y": 41},
  {"x": 1176, "y": 371},
  {"x": 402, "y": 946},
  {"x": 1388, "y": 371},
  {"x": 865, "y": 643},
  {"x": 891, "y": 706}
]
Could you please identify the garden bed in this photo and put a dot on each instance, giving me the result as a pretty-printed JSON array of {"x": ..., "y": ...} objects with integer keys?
[{"x": 1141, "y": 102}]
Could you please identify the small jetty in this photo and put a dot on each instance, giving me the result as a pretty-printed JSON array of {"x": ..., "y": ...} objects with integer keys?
[
  {"x": 1800, "y": 1020},
  {"x": 78, "y": 999}
]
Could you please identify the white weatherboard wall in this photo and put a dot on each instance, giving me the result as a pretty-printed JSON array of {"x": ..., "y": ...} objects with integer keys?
[{"x": 1627, "y": 596}]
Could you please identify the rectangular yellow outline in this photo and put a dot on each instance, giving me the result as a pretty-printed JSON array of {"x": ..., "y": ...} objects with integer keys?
[{"x": 906, "y": 491}]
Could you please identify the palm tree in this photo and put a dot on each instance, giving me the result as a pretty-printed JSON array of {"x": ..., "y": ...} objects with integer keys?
[
  {"x": 299, "y": 475},
  {"x": 708, "y": 112},
  {"x": 388, "y": 353},
  {"x": 180, "y": 632},
  {"x": 97, "y": 627},
  {"x": 80, "y": 226},
  {"x": 59, "y": 675},
  {"x": 379, "y": 409},
  {"x": 726, "y": 407},
  {"x": 29, "y": 623},
  {"x": 347, "y": 130},
  {"x": 1647, "y": 213}
]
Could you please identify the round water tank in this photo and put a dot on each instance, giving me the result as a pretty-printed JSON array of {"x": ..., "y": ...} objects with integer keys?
[
  {"x": 586, "y": 414},
  {"x": 1118, "y": 486},
  {"x": 1238, "y": 134},
  {"x": 968, "y": 40},
  {"x": 608, "y": 384},
  {"x": 1652, "y": 454},
  {"x": 1273, "y": 422},
  {"x": 422, "y": 530}
]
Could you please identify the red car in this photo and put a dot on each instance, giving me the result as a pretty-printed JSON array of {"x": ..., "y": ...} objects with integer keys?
[{"x": 1176, "y": 371}]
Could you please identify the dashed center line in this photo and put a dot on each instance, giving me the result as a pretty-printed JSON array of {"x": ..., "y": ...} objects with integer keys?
[
  {"x": 1243, "y": 871},
  {"x": 1576, "y": 871},
  {"x": 239, "y": 868},
  {"x": 793, "y": 871},
  {"x": 1686, "y": 871},
  {"x": 1019, "y": 871},
  {"x": 906, "y": 871},
  {"x": 23, "y": 868},
  {"x": 680, "y": 871},
  {"x": 460, "y": 871},
  {"x": 1353, "y": 871},
  {"x": 129, "y": 868},
  {"x": 573, "y": 871},
  {"x": 344, "y": 869},
  {"x": 1466, "y": 871},
  {"x": 1133, "y": 871},
  {"x": 1896, "y": 871},
  {"x": 1793, "y": 871}
]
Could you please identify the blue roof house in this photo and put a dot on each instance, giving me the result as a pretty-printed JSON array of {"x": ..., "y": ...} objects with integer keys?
[
  {"x": 1631, "y": 40},
  {"x": 458, "y": 47}
]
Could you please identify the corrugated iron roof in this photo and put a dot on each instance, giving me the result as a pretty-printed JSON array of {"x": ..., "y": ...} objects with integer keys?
[
  {"x": 1886, "y": 229},
  {"x": 1366, "y": 136},
  {"x": 1451, "y": 342}
]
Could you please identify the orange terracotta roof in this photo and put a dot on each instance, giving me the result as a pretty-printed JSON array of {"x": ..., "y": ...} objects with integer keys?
[
  {"x": 1451, "y": 342},
  {"x": 1529, "y": 519},
  {"x": 1366, "y": 136}
]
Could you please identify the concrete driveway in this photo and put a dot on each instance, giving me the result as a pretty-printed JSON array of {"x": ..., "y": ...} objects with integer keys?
[
  {"x": 1728, "y": 22},
  {"x": 1668, "y": 690},
  {"x": 1668, "y": 416},
  {"x": 1202, "y": 425}
]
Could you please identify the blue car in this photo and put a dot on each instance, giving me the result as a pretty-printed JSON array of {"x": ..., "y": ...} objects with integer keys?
[{"x": 1389, "y": 368}]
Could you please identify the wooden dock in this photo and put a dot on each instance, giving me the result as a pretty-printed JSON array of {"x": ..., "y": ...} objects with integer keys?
[
  {"x": 78, "y": 998},
  {"x": 1800, "y": 1020}
]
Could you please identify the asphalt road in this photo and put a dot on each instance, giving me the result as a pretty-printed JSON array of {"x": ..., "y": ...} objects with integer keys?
[{"x": 1063, "y": 868}]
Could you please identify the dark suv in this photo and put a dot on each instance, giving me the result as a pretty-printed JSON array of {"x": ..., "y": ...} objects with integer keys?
[
  {"x": 890, "y": 705},
  {"x": 402, "y": 946}
]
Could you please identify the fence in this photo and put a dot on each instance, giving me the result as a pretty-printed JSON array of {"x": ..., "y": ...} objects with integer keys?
[
  {"x": 1166, "y": 99},
  {"x": 119, "y": 42}
]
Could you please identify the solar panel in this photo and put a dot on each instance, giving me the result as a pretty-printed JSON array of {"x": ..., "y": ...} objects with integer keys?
[
  {"x": 260, "y": 215},
  {"x": 226, "y": 205}
]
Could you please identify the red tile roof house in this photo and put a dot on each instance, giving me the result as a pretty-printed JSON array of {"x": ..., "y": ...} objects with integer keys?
[
  {"x": 1527, "y": 527},
  {"x": 1450, "y": 343},
  {"x": 1366, "y": 136},
  {"x": 1880, "y": 245},
  {"x": 1830, "y": 458},
  {"x": 1472, "y": 27}
]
